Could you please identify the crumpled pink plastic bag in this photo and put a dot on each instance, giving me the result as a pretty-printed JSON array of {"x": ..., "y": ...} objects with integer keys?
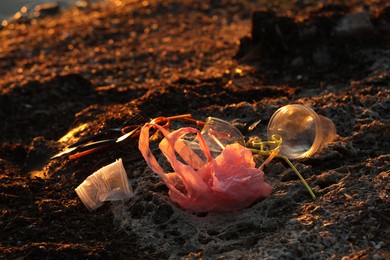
[{"x": 229, "y": 182}]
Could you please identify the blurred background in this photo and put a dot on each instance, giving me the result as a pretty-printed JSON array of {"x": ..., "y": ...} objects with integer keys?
[{"x": 8, "y": 8}]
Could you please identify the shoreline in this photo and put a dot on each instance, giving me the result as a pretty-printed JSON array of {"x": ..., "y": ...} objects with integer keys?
[{"x": 26, "y": 13}]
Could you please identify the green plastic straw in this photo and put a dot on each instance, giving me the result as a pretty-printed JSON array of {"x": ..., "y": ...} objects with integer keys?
[{"x": 277, "y": 140}]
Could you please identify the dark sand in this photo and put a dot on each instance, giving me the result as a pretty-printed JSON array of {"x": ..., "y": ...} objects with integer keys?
[{"x": 96, "y": 67}]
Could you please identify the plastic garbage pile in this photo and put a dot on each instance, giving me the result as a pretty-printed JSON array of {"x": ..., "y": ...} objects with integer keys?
[{"x": 215, "y": 170}]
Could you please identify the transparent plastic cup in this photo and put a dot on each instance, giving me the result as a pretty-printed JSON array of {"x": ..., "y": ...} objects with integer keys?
[
  {"x": 303, "y": 131},
  {"x": 109, "y": 183},
  {"x": 219, "y": 133}
]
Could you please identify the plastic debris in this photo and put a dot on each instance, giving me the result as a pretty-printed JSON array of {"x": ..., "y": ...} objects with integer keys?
[
  {"x": 109, "y": 183},
  {"x": 303, "y": 130},
  {"x": 229, "y": 182}
]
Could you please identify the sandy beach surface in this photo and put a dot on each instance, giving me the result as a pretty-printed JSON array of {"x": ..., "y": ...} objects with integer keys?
[{"x": 71, "y": 74}]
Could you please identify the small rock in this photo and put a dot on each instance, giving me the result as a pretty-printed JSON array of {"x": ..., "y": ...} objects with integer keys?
[
  {"x": 354, "y": 24},
  {"x": 294, "y": 221},
  {"x": 47, "y": 9},
  {"x": 379, "y": 245}
]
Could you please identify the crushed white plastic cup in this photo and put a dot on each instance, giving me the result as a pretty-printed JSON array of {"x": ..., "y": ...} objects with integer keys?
[
  {"x": 109, "y": 183},
  {"x": 303, "y": 131},
  {"x": 219, "y": 133}
]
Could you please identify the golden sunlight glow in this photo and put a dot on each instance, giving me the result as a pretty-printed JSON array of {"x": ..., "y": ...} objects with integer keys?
[
  {"x": 71, "y": 134},
  {"x": 239, "y": 72},
  {"x": 18, "y": 15},
  {"x": 118, "y": 3},
  {"x": 38, "y": 174}
]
